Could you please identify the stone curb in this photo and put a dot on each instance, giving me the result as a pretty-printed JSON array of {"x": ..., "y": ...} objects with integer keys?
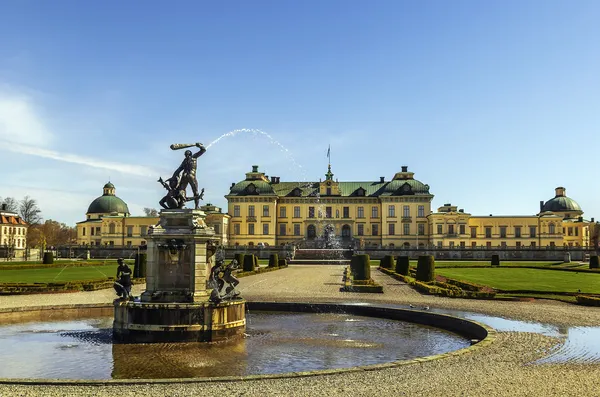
[{"x": 326, "y": 307}]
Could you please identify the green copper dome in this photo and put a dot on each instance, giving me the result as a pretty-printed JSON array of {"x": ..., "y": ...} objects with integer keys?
[
  {"x": 108, "y": 203},
  {"x": 561, "y": 203}
]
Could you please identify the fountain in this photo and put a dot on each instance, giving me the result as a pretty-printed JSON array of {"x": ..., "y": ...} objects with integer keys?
[{"x": 182, "y": 301}]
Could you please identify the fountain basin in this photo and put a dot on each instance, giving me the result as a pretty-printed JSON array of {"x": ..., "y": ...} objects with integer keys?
[{"x": 143, "y": 322}]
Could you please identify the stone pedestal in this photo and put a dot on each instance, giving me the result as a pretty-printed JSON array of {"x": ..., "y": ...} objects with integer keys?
[{"x": 175, "y": 305}]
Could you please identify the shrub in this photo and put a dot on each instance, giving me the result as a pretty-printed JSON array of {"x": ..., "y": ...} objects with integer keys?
[
  {"x": 464, "y": 285},
  {"x": 594, "y": 263},
  {"x": 249, "y": 263},
  {"x": 495, "y": 260},
  {"x": 360, "y": 265},
  {"x": 48, "y": 258},
  {"x": 273, "y": 260},
  {"x": 282, "y": 262},
  {"x": 141, "y": 260},
  {"x": 588, "y": 300},
  {"x": 240, "y": 259},
  {"x": 402, "y": 265},
  {"x": 425, "y": 268}
]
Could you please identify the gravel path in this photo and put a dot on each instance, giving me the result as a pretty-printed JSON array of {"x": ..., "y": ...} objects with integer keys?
[{"x": 502, "y": 369}]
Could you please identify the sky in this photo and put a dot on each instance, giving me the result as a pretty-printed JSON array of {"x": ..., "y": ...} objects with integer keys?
[{"x": 493, "y": 104}]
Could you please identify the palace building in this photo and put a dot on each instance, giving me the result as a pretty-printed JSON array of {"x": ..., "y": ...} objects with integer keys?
[
  {"x": 388, "y": 213},
  {"x": 109, "y": 223},
  {"x": 13, "y": 234}
]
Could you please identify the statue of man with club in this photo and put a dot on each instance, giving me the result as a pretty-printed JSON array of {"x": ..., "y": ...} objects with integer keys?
[{"x": 186, "y": 172}]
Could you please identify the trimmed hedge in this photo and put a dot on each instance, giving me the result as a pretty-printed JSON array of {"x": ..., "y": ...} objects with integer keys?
[
  {"x": 260, "y": 270},
  {"x": 588, "y": 300},
  {"x": 37, "y": 288},
  {"x": 249, "y": 263},
  {"x": 495, "y": 260},
  {"x": 464, "y": 285},
  {"x": 594, "y": 262},
  {"x": 387, "y": 262},
  {"x": 425, "y": 268},
  {"x": 273, "y": 260},
  {"x": 282, "y": 262},
  {"x": 403, "y": 265},
  {"x": 48, "y": 258},
  {"x": 240, "y": 259},
  {"x": 360, "y": 265}
]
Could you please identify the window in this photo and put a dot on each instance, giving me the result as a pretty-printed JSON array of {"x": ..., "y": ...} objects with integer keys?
[
  {"x": 282, "y": 212},
  {"x": 98, "y": 231},
  {"x": 473, "y": 232},
  {"x": 533, "y": 244},
  {"x": 391, "y": 229},
  {"x": 406, "y": 211},
  {"x": 329, "y": 191},
  {"x": 488, "y": 245},
  {"x": 265, "y": 210},
  {"x": 346, "y": 212},
  {"x": 421, "y": 229},
  {"x": 391, "y": 211},
  {"x": 83, "y": 231},
  {"x": 461, "y": 229},
  {"x": 552, "y": 228},
  {"x": 450, "y": 229},
  {"x": 552, "y": 245},
  {"x": 282, "y": 229},
  {"x": 296, "y": 229},
  {"x": 462, "y": 244},
  {"x": 360, "y": 229},
  {"x": 502, "y": 231},
  {"x": 129, "y": 243},
  {"x": 532, "y": 230},
  {"x": 297, "y": 212},
  {"x": 488, "y": 232},
  {"x": 451, "y": 245},
  {"x": 217, "y": 228},
  {"x": 375, "y": 230},
  {"x": 337, "y": 213},
  {"x": 236, "y": 210},
  {"x": 311, "y": 212},
  {"x": 406, "y": 229},
  {"x": 570, "y": 229},
  {"x": 111, "y": 228},
  {"x": 421, "y": 211},
  {"x": 439, "y": 244},
  {"x": 375, "y": 212},
  {"x": 473, "y": 245},
  {"x": 576, "y": 231},
  {"x": 518, "y": 231},
  {"x": 143, "y": 230},
  {"x": 439, "y": 229},
  {"x": 129, "y": 231},
  {"x": 503, "y": 245},
  {"x": 265, "y": 228},
  {"x": 361, "y": 212},
  {"x": 251, "y": 229},
  {"x": 311, "y": 231},
  {"x": 328, "y": 212},
  {"x": 518, "y": 245},
  {"x": 251, "y": 210}
]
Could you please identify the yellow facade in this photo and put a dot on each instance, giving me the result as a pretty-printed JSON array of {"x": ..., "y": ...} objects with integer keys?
[
  {"x": 13, "y": 234},
  {"x": 390, "y": 213},
  {"x": 374, "y": 213}
]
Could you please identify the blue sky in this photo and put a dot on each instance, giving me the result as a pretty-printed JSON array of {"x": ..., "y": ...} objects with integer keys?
[{"x": 493, "y": 104}]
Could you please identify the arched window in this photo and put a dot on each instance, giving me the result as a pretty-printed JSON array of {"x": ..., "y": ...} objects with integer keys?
[
  {"x": 551, "y": 228},
  {"x": 346, "y": 231},
  {"x": 406, "y": 245},
  {"x": 250, "y": 244},
  {"x": 311, "y": 231},
  {"x": 111, "y": 228}
]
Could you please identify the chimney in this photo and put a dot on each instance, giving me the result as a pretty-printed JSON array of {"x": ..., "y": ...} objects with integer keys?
[
  {"x": 273, "y": 179},
  {"x": 404, "y": 168},
  {"x": 278, "y": 179},
  {"x": 382, "y": 179},
  {"x": 561, "y": 191},
  {"x": 232, "y": 185},
  {"x": 255, "y": 168},
  {"x": 541, "y": 205},
  {"x": 581, "y": 219},
  {"x": 3, "y": 207},
  {"x": 461, "y": 210},
  {"x": 592, "y": 220}
]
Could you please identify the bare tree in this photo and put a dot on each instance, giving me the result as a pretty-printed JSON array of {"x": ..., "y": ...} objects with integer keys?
[
  {"x": 150, "y": 212},
  {"x": 12, "y": 205},
  {"x": 29, "y": 211}
]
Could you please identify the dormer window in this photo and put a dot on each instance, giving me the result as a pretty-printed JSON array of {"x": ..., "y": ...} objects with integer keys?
[
  {"x": 360, "y": 192},
  {"x": 251, "y": 189},
  {"x": 296, "y": 192}
]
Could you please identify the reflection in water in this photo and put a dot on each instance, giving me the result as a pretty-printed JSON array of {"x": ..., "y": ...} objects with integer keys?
[{"x": 275, "y": 343}]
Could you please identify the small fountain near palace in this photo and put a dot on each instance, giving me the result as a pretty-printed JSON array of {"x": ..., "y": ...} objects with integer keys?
[{"x": 184, "y": 299}]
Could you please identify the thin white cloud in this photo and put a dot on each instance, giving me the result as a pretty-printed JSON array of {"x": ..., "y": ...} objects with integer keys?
[{"x": 23, "y": 131}]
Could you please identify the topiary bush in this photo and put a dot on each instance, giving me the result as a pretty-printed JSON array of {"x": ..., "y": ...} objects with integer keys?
[
  {"x": 282, "y": 262},
  {"x": 273, "y": 260},
  {"x": 240, "y": 259},
  {"x": 249, "y": 263},
  {"x": 425, "y": 268},
  {"x": 495, "y": 260},
  {"x": 594, "y": 263},
  {"x": 360, "y": 266},
  {"x": 402, "y": 265},
  {"x": 387, "y": 262},
  {"x": 48, "y": 258}
]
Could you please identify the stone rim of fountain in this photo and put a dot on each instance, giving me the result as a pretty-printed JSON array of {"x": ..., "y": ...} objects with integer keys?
[{"x": 368, "y": 309}]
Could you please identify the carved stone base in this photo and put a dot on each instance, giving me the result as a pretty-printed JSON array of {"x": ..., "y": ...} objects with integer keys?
[{"x": 138, "y": 322}]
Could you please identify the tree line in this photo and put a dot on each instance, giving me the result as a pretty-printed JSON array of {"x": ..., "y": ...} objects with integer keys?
[{"x": 40, "y": 234}]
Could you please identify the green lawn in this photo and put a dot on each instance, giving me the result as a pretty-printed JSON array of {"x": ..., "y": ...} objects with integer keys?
[
  {"x": 511, "y": 279},
  {"x": 56, "y": 274},
  {"x": 443, "y": 264}
]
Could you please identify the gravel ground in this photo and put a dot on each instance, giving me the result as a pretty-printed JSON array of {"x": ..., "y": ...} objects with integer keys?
[{"x": 502, "y": 369}]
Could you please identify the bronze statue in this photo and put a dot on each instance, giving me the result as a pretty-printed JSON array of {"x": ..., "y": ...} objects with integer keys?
[
  {"x": 186, "y": 172},
  {"x": 217, "y": 281}
]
